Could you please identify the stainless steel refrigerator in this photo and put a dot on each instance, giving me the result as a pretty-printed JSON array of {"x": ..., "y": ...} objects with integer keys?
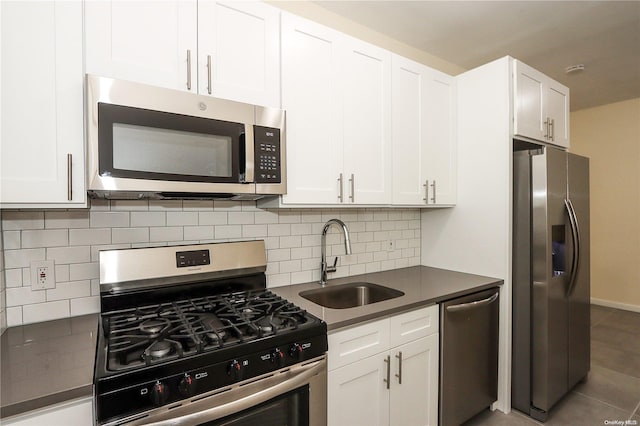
[{"x": 551, "y": 280}]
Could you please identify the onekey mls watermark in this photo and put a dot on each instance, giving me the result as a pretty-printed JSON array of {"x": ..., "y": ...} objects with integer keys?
[{"x": 621, "y": 422}]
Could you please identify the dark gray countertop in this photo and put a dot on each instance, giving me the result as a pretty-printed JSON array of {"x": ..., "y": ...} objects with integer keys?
[
  {"x": 422, "y": 286},
  {"x": 52, "y": 362},
  {"x": 47, "y": 363}
]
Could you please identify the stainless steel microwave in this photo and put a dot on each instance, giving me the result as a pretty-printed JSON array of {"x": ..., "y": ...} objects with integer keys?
[{"x": 151, "y": 142}]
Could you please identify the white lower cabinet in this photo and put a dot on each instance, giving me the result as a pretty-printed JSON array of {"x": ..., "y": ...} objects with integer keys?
[
  {"x": 385, "y": 372},
  {"x": 74, "y": 413}
]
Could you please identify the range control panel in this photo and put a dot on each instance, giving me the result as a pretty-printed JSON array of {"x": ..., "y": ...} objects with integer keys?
[
  {"x": 184, "y": 259},
  {"x": 267, "y": 154}
]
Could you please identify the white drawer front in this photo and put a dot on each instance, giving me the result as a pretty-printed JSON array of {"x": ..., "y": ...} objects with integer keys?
[
  {"x": 353, "y": 344},
  {"x": 414, "y": 325}
]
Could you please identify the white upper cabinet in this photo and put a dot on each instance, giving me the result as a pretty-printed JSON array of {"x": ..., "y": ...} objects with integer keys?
[
  {"x": 367, "y": 123},
  {"x": 423, "y": 136},
  {"x": 224, "y": 49},
  {"x": 312, "y": 99},
  {"x": 541, "y": 106},
  {"x": 42, "y": 161},
  {"x": 239, "y": 51},
  {"x": 336, "y": 92},
  {"x": 152, "y": 42}
]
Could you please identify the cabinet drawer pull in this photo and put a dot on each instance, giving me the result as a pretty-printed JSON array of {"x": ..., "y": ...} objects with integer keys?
[
  {"x": 399, "y": 375},
  {"x": 69, "y": 177},
  {"x": 340, "y": 190},
  {"x": 387, "y": 360},
  {"x": 209, "y": 74},
  {"x": 352, "y": 196},
  {"x": 188, "y": 69}
]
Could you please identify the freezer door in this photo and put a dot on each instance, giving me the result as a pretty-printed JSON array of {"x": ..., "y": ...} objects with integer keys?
[
  {"x": 579, "y": 293},
  {"x": 550, "y": 307}
]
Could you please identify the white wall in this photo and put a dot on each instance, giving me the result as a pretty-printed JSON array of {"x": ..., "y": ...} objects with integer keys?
[
  {"x": 474, "y": 237},
  {"x": 73, "y": 238}
]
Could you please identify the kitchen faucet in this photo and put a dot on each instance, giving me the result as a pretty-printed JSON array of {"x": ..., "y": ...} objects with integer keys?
[{"x": 347, "y": 248}]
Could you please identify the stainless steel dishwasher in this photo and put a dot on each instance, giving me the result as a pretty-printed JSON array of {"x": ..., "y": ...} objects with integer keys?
[{"x": 468, "y": 355}]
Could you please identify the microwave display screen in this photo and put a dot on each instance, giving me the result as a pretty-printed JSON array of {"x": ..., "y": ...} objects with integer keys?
[{"x": 149, "y": 149}]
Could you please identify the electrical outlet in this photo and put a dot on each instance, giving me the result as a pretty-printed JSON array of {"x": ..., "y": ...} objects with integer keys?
[
  {"x": 43, "y": 274},
  {"x": 390, "y": 245}
]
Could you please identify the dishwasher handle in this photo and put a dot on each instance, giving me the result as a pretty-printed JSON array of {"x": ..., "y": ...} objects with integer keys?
[{"x": 472, "y": 305}]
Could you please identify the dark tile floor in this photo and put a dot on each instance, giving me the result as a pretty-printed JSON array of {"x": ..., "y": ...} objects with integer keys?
[{"x": 611, "y": 394}]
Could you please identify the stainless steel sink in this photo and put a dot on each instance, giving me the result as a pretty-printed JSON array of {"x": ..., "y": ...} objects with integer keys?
[{"x": 350, "y": 295}]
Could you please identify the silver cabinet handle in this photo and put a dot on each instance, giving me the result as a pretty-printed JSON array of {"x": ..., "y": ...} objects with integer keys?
[
  {"x": 387, "y": 360},
  {"x": 575, "y": 239},
  {"x": 352, "y": 196},
  {"x": 188, "y": 69},
  {"x": 209, "y": 74},
  {"x": 399, "y": 375},
  {"x": 426, "y": 192},
  {"x": 471, "y": 305},
  {"x": 69, "y": 177},
  {"x": 546, "y": 128},
  {"x": 552, "y": 133},
  {"x": 340, "y": 190},
  {"x": 433, "y": 197}
]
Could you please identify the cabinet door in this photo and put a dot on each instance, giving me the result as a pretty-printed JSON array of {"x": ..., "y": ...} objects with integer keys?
[
  {"x": 557, "y": 101},
  {"x": 311, "y": 96},
  {"x": 440, "y": 148},
  {"x": 414, "y": 325},
  {"x": 414, "y": 390},
  {"x": 357, "y": 394},
  {"x": 144, "y": 41},
  {"x": 239, "y": 51},
  {"x": 42, "y": 119},
  {"x": 367, "y": 123},
  {"x": 355, "y": 343},
  {"x": 408, "y": 132},
  {"x": 529, "y": 111}
]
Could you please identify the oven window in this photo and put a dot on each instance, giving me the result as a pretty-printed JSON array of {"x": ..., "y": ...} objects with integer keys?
[
  {"x": 148, "y": 149},
  {"x": 289, "y": 409}
]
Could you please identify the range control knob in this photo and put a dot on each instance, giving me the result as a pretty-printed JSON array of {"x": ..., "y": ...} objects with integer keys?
[
  {"x": 187, "y": 386},
  {"x": 296, "y": 351},
  {"x": 277, "y": 357},
  {"x": 159, "y": 393},
  {"x": 235, "y": 369}
]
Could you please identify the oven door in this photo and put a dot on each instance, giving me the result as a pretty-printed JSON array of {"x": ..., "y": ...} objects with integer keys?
[{"x": 295, "y": 396}]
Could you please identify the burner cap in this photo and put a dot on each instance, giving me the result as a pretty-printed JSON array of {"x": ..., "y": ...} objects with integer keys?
[
  {"x": 266, "y": 324},
  {"x": 154, "y": 325},
  {"x": 159, "y": 349}
]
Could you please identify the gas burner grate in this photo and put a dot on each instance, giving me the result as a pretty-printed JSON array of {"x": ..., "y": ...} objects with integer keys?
[{"x": 158, "y": 333}]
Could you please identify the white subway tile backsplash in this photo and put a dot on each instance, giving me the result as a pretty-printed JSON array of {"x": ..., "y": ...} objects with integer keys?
[
  {"x": 66, "y": 219},
  {"x": 198, "y": 232},
  {"x": 78, "y": 254},
  {"x": 148, "y": 219},
  {"x": 100, "y": 219},
  {"x": 182, "y": 218},
  {"x": 89, "y": 237},
  {"x": 19, "y": 220},
  {"x": 292, "y": 239},
  {"x": 45, "y": 311},
  {"x": 45, "y": 238},
  {"x": 22, "y": 258},
  {"x": 11, "y": 240},
  {"x": 169, "y": 233},
  {"x": 85, "y": 305}
]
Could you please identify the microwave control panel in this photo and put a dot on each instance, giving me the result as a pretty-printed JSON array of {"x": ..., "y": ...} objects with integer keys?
[{"x": 267, "y": 154}]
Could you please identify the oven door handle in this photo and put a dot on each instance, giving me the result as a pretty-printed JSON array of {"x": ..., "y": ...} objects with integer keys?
[{"x": 196, "y": 415}]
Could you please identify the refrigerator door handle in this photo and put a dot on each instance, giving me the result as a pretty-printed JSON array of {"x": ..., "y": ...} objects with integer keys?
[
  {"x": 471, "y": 305},
  {"x": 575, "y": 238}
]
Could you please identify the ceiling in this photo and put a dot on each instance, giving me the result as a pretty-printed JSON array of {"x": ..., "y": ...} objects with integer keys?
[{"x": 548, "y": 35}]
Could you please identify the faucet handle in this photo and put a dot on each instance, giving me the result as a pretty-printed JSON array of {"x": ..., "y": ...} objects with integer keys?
[{"x": 334, "y": 267}]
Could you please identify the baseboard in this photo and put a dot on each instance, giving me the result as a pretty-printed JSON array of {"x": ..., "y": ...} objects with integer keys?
[{"x": 617, "y": 305}]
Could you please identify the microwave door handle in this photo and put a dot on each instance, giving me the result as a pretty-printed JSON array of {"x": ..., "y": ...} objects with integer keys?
[
  {"x": 242, "y": 158},
  {"x": 198, "y": 413}
]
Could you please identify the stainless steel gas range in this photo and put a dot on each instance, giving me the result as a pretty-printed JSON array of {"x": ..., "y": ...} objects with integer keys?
[{"x": 189, "y": 335}]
